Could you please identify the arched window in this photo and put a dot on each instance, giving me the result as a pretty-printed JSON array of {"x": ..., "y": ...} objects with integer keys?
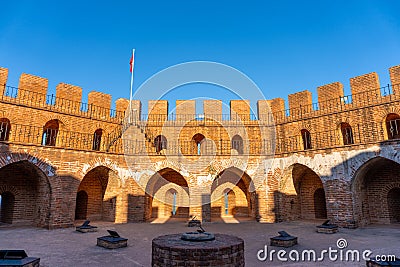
[
  {"x": 160, "y": 142},
  {"x": 97, "y": 139},
  {"x": 198, "y": 140},
  {"x": 5, "y": 127},
  {"x": 306, "y": 136},
  {"x": 393, "y": 126},
  {"x": 347, "y": 133},
  {"x": 237, "y": 144},
  {"x": 50, "y": 131}
]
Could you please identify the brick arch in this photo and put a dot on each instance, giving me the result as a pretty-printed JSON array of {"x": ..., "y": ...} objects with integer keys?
[
  {"x": 301, "y": 125},
  {"x": 369, "y": 187},
  {"x": 162, "y": 179},
  {"x": 295, "y": 197},
  {"x": 310, "y": 163},
  {"x": 97, "y": 162},
  {"x": 102, "y": 186},
  {"x": 217, "y": 166},
  {"x": 360, "y": 160},
  {"x": 241, "y": 183},
  {"x": 346, "y": 119},
  {"x": 32, "y": 182},
  {"x": 64, "y": 123},
  {"x": 383, "y": 115},
  {"x": 172, "y": 164},
  {"x": 9, "y": 188},
  {"x": 48, "y": 169}
]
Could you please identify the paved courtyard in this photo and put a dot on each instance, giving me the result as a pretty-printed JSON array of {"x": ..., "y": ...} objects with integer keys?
[{"x": 65, "y": 247}]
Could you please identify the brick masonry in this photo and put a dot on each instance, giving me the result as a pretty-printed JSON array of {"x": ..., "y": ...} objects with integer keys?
[{"x": 347, "y": 184}]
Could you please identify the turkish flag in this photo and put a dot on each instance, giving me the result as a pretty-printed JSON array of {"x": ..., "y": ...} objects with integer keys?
[{"x": 131, "y": 63}]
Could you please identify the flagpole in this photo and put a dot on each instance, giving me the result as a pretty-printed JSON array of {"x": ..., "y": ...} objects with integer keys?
[{"x": 131, "y": 92}]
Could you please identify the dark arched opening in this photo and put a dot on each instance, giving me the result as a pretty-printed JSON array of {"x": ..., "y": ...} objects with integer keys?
[
  {"x": 237, "y": 144},
  {"x": 5, "y": 127},
  {"x": 320, "y": 204},
  {"x": 306, "y": 137},
  {"x": 393, "y": 200},
  {"x": 7, "y": 200},
  {"x": 101, "y": 185},
  {"x": 81, "y": 205},
  {"x": 160, "y": 143},
  {"x": 97, "y": 139},
  {"x": 31, "y": 206},
  {"x": 347, "y": 133},
  {"x": 198, "y": 139}
]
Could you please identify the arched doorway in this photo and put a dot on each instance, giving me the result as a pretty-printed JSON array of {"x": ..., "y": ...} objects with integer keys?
[
  {"x": 231, "y": 195},
  {"x": 320, "y": 204},
  {"x": 301, "y": 195},
  {"x": 7, "y": 200},
  {"x": 25, "y": 195},
  {"x": 393, "y": 200},
  {"x": 375, "y": 189},
  {"x": 97, "y": 195},
  {"x": 81, "y": 205},
  {"x": 167, "y": 195}
]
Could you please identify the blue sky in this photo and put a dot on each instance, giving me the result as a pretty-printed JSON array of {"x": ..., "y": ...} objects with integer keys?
[{"x": 283, "y": 46}]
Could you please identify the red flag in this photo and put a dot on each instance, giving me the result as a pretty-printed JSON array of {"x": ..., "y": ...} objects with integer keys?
[{"x": 132, "y": 62}]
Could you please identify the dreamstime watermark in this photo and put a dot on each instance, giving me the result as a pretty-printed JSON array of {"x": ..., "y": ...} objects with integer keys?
[{"x": 338, "y": 253}]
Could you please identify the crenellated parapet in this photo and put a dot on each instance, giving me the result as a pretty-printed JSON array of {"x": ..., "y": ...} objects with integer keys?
[
  {"x": 32, "y": 92},
  {"x": 366, "y": 90}
]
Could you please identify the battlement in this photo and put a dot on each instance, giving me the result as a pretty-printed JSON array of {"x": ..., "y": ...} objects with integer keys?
[{"x": 366, "y": 90}]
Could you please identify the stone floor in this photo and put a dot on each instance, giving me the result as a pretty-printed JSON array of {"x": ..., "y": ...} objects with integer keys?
[{"x": 65, "y": 247}]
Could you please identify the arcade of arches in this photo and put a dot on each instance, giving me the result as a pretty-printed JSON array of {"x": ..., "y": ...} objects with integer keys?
[{"x": 26, "y": 195}]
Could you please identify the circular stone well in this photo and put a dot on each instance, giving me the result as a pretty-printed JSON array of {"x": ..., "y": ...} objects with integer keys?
[{"x": 172, "y": 250}]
